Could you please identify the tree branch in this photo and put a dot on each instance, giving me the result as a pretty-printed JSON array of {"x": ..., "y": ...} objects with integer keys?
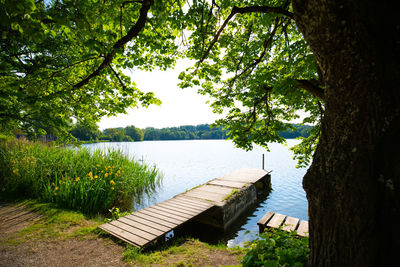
[
  {"x": 119, "y": 45},
  {"x": 243, "y": 10},
  {"x": 312, "y": 87},
  {"x": 117, "y": 76}
]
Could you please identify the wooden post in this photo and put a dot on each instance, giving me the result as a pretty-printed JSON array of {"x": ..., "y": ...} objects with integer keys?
[{"x": 263, "y": 162}]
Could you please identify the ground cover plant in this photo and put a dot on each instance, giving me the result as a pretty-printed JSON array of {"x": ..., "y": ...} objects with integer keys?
[
  {"x": 277, "y": 248},
  {"x": 89, "y": 181}
]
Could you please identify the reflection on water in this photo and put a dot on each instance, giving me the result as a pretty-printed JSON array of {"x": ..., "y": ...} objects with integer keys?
[{"x": 186, "y": 164}]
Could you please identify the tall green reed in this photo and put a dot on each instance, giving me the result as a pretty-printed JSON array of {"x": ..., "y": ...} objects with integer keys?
[{"x": 89, "y": 181}]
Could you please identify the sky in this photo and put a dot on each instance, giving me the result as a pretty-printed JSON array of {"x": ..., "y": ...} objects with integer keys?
[{"x": 179, "y": 106}]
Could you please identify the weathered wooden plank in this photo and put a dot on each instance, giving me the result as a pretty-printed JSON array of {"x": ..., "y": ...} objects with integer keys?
[
  {"x": 122, "y": 234},
  {"x": 186, "y": 205},
  {"x": 205, "y": 195},
  {"x": 276, "y": 220},
  {"x": 171, "y": 213},
  {"x": 290, "y": 224},
  {"x": 160, "y": 221},
  {"x": 141, "y": 226},
  {"x": 264, "y": 220},
  {"x": 10, "y": 210},
  {"x": 180, "y": 209},
  {"x": 18, "y": 215},
  {"x": 148, "y": 223},
  {"x": 245, "y": 175},
  {"x": 133, "y": 230},
  {"x": 194, "y": 201},
  {"x": 155, "y": 214},
  {"x": 227, "y": 183},
  {"x": 216, "y": 189},
  {"x": 303, "y": 228}
]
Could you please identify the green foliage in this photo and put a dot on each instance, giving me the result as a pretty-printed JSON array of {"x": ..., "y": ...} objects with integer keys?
[
  {"x": 250, "y": 66},
  {"x": 277, "y": 248},
  {"x": 91, "y": 182},
  {"x": 65, "y": 59},
  {"x": 85, "y": 130},
  {"x": 187, "y": 132},
  {"x": 115, "y": 214}
]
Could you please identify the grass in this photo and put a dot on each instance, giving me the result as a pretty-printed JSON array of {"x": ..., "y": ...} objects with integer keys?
[
  {"x": 88, "y": 181},
  {"x": 56, "y": 224},
  {"x": 234, "y": 191},
  {"x": 181, "y": 252}
]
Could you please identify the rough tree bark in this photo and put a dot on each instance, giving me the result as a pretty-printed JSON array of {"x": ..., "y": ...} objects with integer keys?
[{"x": 353, "y": 184}]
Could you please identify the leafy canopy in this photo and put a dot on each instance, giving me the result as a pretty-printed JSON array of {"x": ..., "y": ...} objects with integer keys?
[
  {"x": 66, "y": 59},
  {"x": 255, "y": 64}
]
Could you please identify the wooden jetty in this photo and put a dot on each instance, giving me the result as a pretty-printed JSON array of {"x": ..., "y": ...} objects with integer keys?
[
  {"x": 276, "y": 220},
  {"x": 218, "y": 203}
]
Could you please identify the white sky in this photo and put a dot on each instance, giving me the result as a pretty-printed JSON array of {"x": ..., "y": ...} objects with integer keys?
[{"x": 179, "y": 106}]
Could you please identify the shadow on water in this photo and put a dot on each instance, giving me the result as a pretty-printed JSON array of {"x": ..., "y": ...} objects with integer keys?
[{"x": 213, "y": 235}]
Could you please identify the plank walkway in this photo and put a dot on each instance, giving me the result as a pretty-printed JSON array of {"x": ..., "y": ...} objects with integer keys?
[
  {"x": 276, "y": 220},
  {"x": 147, "y": 225}
]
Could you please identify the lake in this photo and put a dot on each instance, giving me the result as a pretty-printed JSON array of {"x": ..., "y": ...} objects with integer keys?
[{"x": 186, "y": 164}]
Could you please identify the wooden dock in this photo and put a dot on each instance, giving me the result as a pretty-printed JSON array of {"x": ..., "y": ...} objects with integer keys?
[
  {"x": 142, "y": 227},
  {"x": 276, "y": 220}
]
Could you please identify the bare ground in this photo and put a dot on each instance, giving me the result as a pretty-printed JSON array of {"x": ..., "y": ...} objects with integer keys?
[{"x": 91, "y": 250}]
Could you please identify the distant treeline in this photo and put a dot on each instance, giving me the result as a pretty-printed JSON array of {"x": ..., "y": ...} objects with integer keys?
[{"x": 187, "y": 132}]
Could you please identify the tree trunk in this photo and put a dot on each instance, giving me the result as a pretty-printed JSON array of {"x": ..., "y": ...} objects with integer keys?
[{"x": 353, "y": 184}]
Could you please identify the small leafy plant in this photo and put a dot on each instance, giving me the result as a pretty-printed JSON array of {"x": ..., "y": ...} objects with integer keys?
[{"x": 277, "y": 248}]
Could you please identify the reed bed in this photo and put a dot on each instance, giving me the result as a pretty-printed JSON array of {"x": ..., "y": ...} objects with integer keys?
[{"x": 92, "y": 182}]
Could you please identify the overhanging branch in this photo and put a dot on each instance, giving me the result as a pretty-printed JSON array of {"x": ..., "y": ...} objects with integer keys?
[
  {"x": 312, "y": 87},
  {"x": 243, "y": 10},
  {"x": 119, "y": 45}
]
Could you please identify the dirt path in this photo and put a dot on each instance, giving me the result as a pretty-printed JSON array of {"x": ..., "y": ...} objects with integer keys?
[
  {"x": 16, "y": 250},
  {"x": 20, "y": 249}
]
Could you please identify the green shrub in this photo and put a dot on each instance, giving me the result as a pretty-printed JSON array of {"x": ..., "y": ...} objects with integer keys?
[
  {"x": 79, "y": 179},
  {"x": 277, "y": 248}
]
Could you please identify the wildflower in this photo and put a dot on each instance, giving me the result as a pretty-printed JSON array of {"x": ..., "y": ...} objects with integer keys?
[
  {"x": 112, "y": 182},
  {"x": 97, "y": 165},
  {"x": 112, "y": 188},
  {"x": 106, "y": 175},
  {"x": 77, "y": 179},
  {"x": 55, "y": 194},
  {"x": 90, "y": 174},
  {"x": 102, "y": 171},
  {"x": 109, "y": 167},
  {"x": 95, "y": 177},
  {"x": 53, "y": 184},
  {"x": 56, "y": 188}
]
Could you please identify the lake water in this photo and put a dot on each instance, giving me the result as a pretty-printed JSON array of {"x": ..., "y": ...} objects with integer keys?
[{"x": 186, "y": 164}]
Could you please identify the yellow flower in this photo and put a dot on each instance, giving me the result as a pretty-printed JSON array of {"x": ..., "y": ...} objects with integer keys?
[
  {"x": 90, "y": 174},
  {"x": 106, "y": 175},
  {"x": 112, "y": 182},
  {"x": 55, "y": 194},
  {"x": 102, "y": 171},
  {"x": 97, "y": 165},
  {"x": 56, "y": 188},
  {"x": 110, "y": 173},
  {"x": 109, "y": 166},
  {"x": 112, "y": 188},
  {"x": 77, "y": 179},
  {"x": 95, "y": 177},
  {"x": 52, "y": 184}
]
